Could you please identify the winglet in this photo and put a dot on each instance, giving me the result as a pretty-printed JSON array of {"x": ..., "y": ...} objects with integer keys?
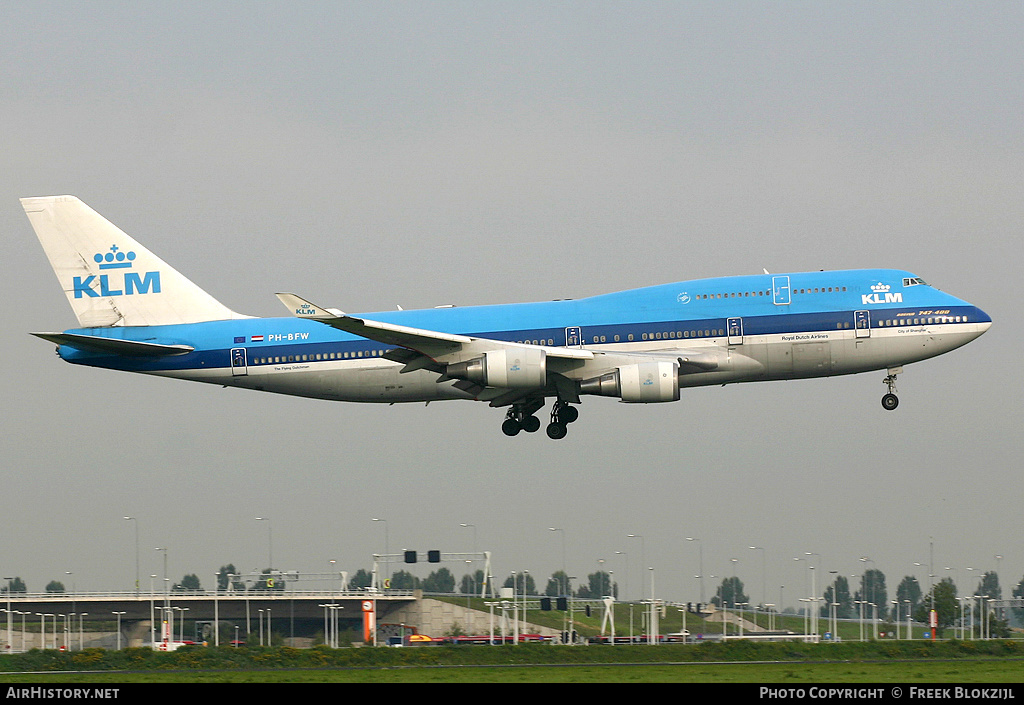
[
  {"x": 390, "y": 333},
  {"x": 302, "y": 308}
]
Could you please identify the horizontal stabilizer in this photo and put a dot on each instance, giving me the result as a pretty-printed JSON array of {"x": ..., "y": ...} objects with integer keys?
[{"x": 114, "y": 346}]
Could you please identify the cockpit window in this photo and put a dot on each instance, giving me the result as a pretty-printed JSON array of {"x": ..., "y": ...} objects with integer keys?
[{"x": 914, "y": 281}]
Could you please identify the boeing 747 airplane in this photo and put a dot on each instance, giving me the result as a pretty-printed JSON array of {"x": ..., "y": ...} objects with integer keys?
[{"x": 137, "y": 314}]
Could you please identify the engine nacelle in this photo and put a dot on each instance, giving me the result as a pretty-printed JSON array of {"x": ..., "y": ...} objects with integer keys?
[
  {"x": 644, "y": 383},
  {"x": 508, "y": 367}
]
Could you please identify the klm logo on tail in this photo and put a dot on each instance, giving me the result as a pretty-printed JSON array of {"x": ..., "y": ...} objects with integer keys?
[{"x": 129, "y": 284}]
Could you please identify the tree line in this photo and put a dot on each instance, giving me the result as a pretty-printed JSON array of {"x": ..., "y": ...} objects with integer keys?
[
  {"x": 871, "y": 601},
  {"x": 442, "y": 580}
]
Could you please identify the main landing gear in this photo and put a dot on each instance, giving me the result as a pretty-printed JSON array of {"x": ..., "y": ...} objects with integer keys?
[
  {"x": 520, "y": 417},
  {"x": 890, "y": 401},
  {"x": 562, "y": 415}
]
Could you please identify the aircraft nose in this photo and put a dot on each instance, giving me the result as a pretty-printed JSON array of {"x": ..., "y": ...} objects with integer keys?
[
  {"x": 983, "y": 317},
  {"x": 982, "y": 320}
]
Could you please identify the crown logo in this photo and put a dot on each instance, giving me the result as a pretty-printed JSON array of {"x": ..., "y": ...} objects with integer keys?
[
  {"x": 880, "y": 287},
  {"x": 115, "y": 259}
]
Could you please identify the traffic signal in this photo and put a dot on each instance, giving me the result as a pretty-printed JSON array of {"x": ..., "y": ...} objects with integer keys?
[
  {"x": 410, "y": 556},
  {"x": 562, "y": 603},
  {"x": 433, "y": 556},
  {"x": 545, "y": 604}
]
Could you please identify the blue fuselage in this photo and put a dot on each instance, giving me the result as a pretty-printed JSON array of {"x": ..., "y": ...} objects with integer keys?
[{"x": 795, "y": 325}]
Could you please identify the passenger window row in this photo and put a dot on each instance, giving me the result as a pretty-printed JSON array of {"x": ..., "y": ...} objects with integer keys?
[
  {"x": 316, "y": 357},
  {"x": 921, "y": 321},
  {"x": 734, "y": 295},
  {"x": 747, "y": 294},
  {"x": 820, "y": 290}
]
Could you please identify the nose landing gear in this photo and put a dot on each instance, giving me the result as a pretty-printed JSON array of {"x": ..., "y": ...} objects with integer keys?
[{"x": 890, "y": 401}]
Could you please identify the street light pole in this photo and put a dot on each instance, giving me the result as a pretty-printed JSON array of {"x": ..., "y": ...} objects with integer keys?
[
  {"x": 473, "y": 527},
  {"x": 626, "y": 591},
  {"x": 165, "y": 569},
  {"x": 564, "y": 575},
  {"x": 814, "y": 593},
  {"x": 700, "y": 546},
  {"x": 270, "y": 542},
  {"x": 133, "y": 519},
  {"x": 874, "y": 599},
  {"x": 896, "y": 620},
  {"x": 472, "y": 572},
  {"x": 10, "y": 647},
  {"x": 652, "y": 622},
  {"x": 643, "y": 560},
  {"x": 119, "y": 629},
  {"x": 387, "y": 557},
  {"x": 764, "y": 591}
]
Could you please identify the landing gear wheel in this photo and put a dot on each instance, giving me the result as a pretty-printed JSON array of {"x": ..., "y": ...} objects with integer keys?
[
  {"x": 511, "y": 427},
  {"x": 556, "y": 431},
  {"x": 568, "y": 414},
  {"x": 890, "y": 402},
  {"x": 520, "y": 417},
  {"x": 561, "y": 416}
]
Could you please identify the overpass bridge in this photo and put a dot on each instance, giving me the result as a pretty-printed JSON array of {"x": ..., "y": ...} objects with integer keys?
[
  {"x": 201, "y": 604},
  {"x": 76, "y": 612}
]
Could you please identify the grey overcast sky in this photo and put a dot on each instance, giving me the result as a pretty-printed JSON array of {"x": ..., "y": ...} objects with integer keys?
[{"x": 374, "y": 154}]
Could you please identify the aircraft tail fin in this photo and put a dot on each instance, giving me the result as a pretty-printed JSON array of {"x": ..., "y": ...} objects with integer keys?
[{"x": 108, "y": 277}]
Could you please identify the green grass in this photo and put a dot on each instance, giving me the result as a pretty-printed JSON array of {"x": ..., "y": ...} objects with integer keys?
[
  {"x": 922, "y": 672},
  {"x": 737, "y": 662},
  {"x": 673, "y": 621}
]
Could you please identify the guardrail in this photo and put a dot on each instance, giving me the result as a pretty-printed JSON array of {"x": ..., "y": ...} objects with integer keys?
[{"x": 177, "y": 594}]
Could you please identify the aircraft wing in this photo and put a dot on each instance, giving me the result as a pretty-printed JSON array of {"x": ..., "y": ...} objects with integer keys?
[
  {"x": 690, "y": 361},
  {"x": 554, "y": 370},
  {"x": 433, "y": 344}
]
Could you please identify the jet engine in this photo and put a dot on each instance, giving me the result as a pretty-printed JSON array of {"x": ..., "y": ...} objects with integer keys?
[
  {"x": 643, "y": 383},
  {"x": 509, "y": 367}
]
